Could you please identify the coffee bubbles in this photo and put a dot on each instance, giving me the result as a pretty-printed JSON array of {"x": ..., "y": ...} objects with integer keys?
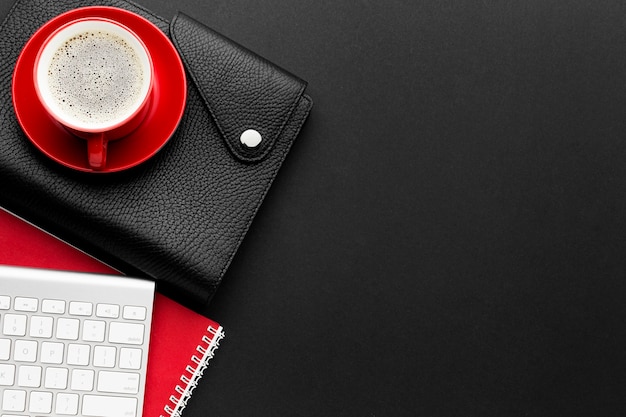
[{"x": 96, "y": 77}]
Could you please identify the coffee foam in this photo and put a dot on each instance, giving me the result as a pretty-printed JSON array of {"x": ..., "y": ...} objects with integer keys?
[{"x": 96, "y": 77}]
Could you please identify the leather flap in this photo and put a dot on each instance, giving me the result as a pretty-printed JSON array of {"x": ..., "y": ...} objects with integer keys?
[{"x": 242, "y": 90}]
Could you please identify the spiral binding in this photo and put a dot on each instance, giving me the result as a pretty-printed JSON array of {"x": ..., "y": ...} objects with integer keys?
[{"x": 193, "y": 372}]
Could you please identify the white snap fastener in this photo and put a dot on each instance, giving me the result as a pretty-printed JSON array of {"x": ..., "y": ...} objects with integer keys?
[{"x": 251, "y": 138}]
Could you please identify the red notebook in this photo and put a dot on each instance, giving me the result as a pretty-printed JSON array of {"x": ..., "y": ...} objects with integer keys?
[{"x": 178, "y": 354}]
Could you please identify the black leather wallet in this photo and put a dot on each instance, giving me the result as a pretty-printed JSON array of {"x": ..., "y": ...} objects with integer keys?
[{"x": 180, "y": 216}]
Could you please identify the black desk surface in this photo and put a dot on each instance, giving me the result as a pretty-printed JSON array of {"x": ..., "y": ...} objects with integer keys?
[{"x": 447, "y": 236}]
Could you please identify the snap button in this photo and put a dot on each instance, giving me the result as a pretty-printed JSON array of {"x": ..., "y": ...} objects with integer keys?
[{"x": 251, "y": 138}]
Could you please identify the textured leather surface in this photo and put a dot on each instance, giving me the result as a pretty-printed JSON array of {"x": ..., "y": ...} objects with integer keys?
[
  {"x": 179, "y": 217},
  {"x": 242, "y": 90}
]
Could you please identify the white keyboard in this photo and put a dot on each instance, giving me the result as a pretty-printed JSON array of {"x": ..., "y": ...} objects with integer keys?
[{"x": 73, "y": 344}]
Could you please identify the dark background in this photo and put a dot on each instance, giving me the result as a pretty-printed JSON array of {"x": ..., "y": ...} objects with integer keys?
[{"x": 447, "y": 235}]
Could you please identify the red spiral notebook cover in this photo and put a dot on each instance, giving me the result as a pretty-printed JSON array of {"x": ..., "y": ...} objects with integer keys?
[{"x": 178, "y": 353}]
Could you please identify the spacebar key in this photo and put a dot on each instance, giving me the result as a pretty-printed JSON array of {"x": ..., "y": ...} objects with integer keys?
[{"x": 105, "y": 406}]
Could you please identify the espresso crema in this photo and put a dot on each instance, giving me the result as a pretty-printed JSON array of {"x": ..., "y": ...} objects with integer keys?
[{"x": 96, "y": 77}]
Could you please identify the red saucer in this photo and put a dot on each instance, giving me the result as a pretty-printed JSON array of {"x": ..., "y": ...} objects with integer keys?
[{"x": 167, "y": 107}]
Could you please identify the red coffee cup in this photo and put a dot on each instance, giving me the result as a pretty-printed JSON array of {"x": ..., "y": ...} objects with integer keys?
[{"x": 94, "y": 76}]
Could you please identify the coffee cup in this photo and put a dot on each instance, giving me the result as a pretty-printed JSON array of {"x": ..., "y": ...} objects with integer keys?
[{"x": 94, "y": 76}]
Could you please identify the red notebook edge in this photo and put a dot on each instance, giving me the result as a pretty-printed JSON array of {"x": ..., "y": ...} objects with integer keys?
[{"x": 182, "y": 341}]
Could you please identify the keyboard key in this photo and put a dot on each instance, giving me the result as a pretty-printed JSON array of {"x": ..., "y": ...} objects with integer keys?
[
  {"x": 5, "y": 349},
  {"x": 13, "y": 400},
  {"x": 78, "y": 354},
  {"x": 67, "y": 329},
  {"x": 134, "y": 313},
  {"x": 118, "y": 382},
  {"x": 7, "y": 375},
  {"x": 25, "y": 351},
  {"x": 93, "y": 331},
  {"x": 104, "y": 406},
  {"x": 41, "y": 326},
  {"x": 66, "y": 404},
  {"x": 56, "y": 378},
  {"x": 128, "y": 333},
  {"x": 104, "y": 356},
  {"x": 53, "y": 306},
  {"x": 40, "y": 402},
  {"x": 5, "y": 302},
  {"x": 110, "y": 311},
  {"x": 29, "y": 376},
  {"x": 14, "y": 325},
  {"x": 130, "y": 358},
  {"x": 82, "y": 379},
  {"x": 52, "y": 352},
  {"x": 26, "y": 304},
  {"x": 79, "y": 308}
]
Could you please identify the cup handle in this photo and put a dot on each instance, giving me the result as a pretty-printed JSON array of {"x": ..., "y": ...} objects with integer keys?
[{"x": 97, "y": 151}]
